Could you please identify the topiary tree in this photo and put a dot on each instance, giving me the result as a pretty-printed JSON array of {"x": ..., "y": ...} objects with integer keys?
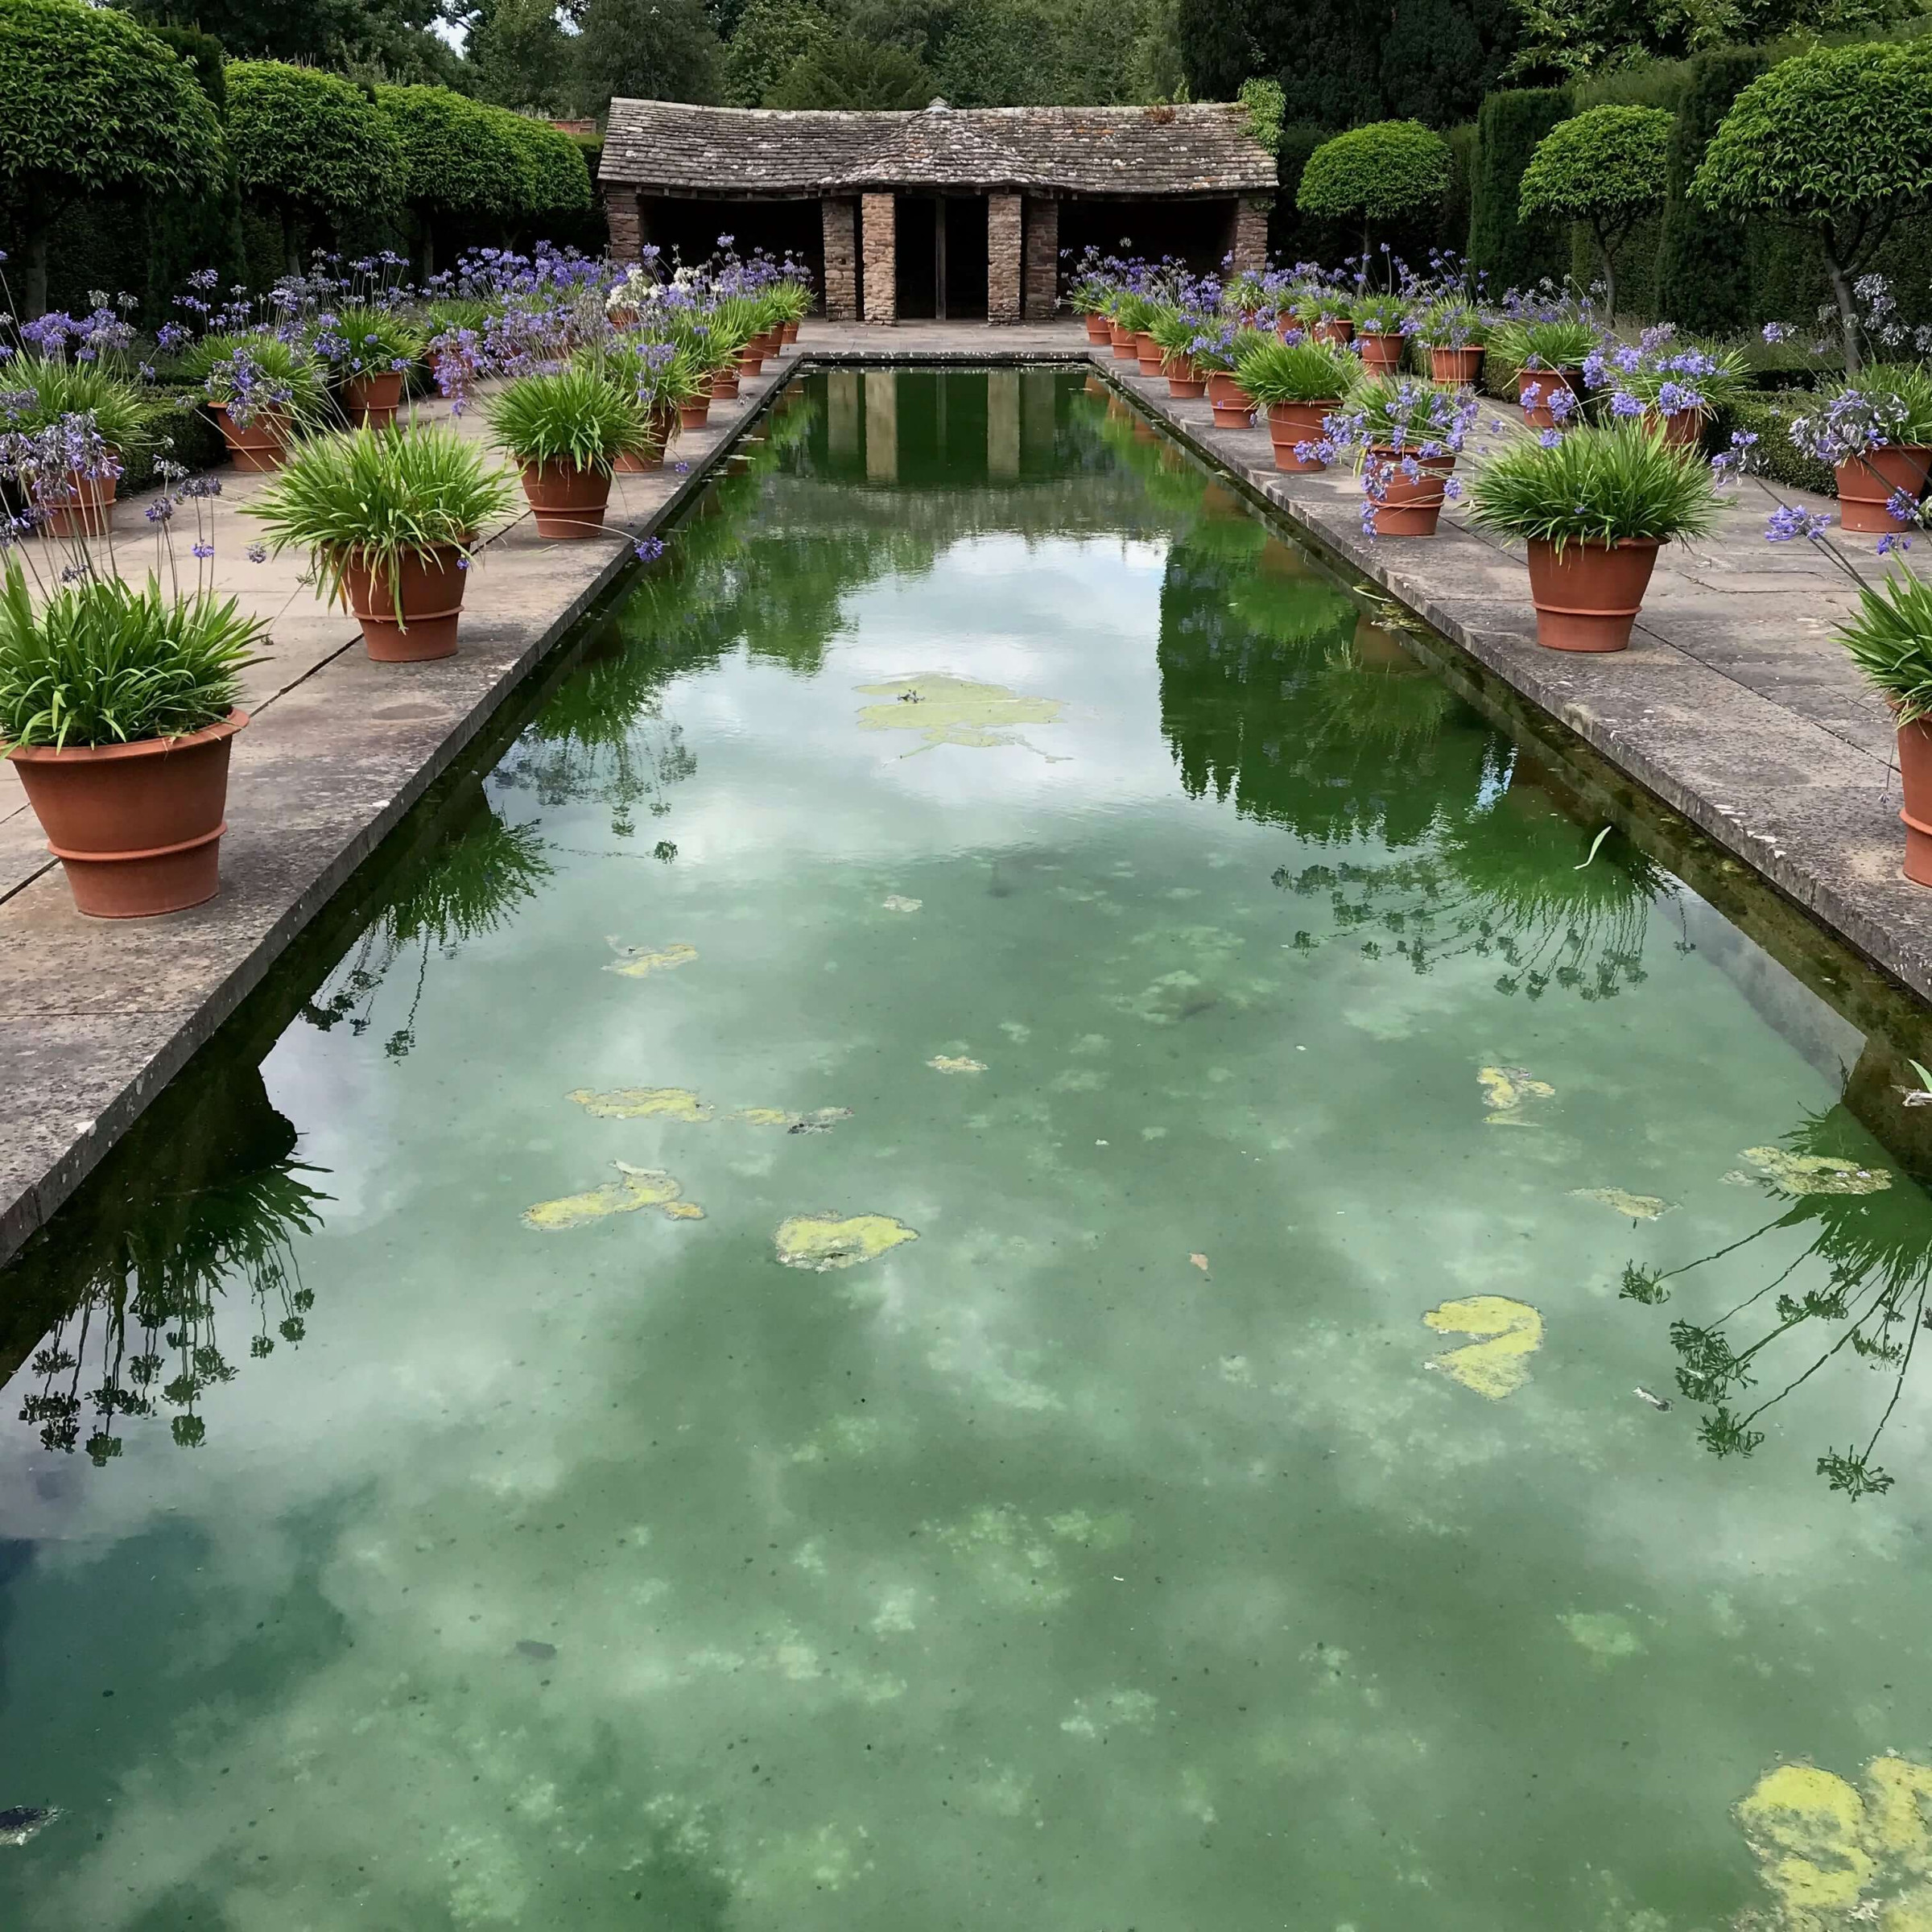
[
  {"x": 1605, "y": 167},
  {"x": 1512, "y": 253},
  {"x": 458, "y": 163},
  {"x": 1703, "y": 265},
  {"x": 1390, "y": 171},
  {"x": 1837, "y": 141},
  {"x": 310, "y": 146},
  {"x": 553, "y": 179},
  {"x": 854, "y": 74},
  {"x": 92, "y": 104}
]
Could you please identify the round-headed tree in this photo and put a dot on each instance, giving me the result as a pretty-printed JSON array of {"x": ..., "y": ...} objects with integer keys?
[
  {"x": 1606, "y": 166},
  {"x": 1388, "y": 172},
  {"x": 309, "y": 144},
  {"x": 1837, "y": 141},
  {"x": 553, "y": 174},
  {"x": 91, "y": 103},
  {"x": 458, "y": 165}
]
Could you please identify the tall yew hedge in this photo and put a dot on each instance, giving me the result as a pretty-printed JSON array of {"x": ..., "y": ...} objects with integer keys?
[
  {"x": 1703, "y": 262},
  {"x": 1514, "y": 253}
]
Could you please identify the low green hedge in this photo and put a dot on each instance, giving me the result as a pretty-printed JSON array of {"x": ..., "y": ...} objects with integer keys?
[
  {"x": 195, "y": 442},
  {"x": 1768, "y": 417}
]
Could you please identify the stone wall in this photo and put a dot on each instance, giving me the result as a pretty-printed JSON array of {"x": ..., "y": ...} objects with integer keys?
[
  {"x": 1250, "y": 243},
  {"x": 840, "y": 221},
  {"x": 623, "y": 212},
  {"x": 878, "y": 221},
  {"x": 1042, "y": 257},
  {"x": 1005, "y": 221}
]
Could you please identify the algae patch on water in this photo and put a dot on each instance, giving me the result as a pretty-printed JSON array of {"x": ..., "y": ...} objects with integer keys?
[
  {"x": 954, "y": 711},
  {"x": 1507, "y": 1091},
  {"x": 821, "y": 1120},
  {"x": 946, "y": 1063},
  {"x": 823, "y": 1242},
  {"x": 638, "y": 962},
  {"x": 1499, "y": 1364},
  {"x": 642, "y": 1104},
  {"x": 1834, "y": 1858},
  {"x": 634, "y": 1187},
  {"x": 897, "y": 902},
  {"x": 1637, "y": 1207},
  {"x": 1801, "y": 1174}
]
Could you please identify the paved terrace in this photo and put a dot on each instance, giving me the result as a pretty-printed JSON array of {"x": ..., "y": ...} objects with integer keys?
[{"x": 1733, "y": 705}]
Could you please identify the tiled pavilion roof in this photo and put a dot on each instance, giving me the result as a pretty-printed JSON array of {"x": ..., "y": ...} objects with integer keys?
[{"x": 676, "y": 148}]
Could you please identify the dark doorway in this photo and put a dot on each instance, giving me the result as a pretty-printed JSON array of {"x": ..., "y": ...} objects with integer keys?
[
  {"x": 941, "y": 257},
  {"x": 1199, "y": 232},
  {"x": 689, "y": 229}
]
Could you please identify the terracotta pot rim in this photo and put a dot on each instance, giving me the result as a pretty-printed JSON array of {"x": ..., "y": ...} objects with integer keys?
[
  {"x": 90, "y": 754},
  {"x": 1599, "y": 544}
]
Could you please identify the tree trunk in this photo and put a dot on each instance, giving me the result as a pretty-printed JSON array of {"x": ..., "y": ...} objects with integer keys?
[
  {"x": 35, "y": 291},
  {"x": 1603, "y": 248},
  {"x": 1847, "y": 309}
]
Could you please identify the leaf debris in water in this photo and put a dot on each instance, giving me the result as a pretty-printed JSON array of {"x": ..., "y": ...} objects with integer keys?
[
  {"x": 1506, "y": 1091},
  {"x": 642, "y": 1103},
  {"x": 945, "y": 1063},
  {"x": 1200, "y": 1261},
  {"x": 1497, "y": 1365},
  {"x": 896, "y": 901},
  {"x": 634, "y": 1187},
  {"x": 19, "y": 1822},
  {"x": 1816, "y": 1173},
  {"x": 636, "y": 962},
  {"x": 954, "y": 711},
  {"x": 1637, "y": 1207},
  {"x": 1656, "y": 1401},
  {"x": 821, "y": 1121},
  {"x": 823, "y": 1241}
]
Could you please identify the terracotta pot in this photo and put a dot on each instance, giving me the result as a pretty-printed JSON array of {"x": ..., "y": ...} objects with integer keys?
[
  {"x": 724, "y": 384},
  {"x": 1457, "y": 365},
  {"x": 1538, "y": 414},
  {"x": 85, "y": 512},
  {"x": 262, "y": 445},
  {"x": 1332, "y": 328},
  {"x": 1233, "y": 406},
  {"x": 1587, "y": 598},
  {"x": 1865, "y": 485},
  {"x": 137, "y": 827},
  {"x": 1292, "y": 422},
  {"x": 1150, "y": 353},
  {"x": 695, "y": 414},
  {"x": 1409, "y": 506},
  {"x": 1097, "y": 330},
  {"x": 568, "y": 502},
  {"x": 430, "y": 589},
  {"x": 1126, "y": 348},
  {"x": 622, "y": 318},
  {"x": 1915, "y": 781},
  {"x": 1185, "y": 382},
  {"x": 1381, "y": 355},
  {"x": 374, "y": 400},
  {"x": 789, "y": 332},
  {"x": 750, "y": 359},
  {"x": 1683, "y": 427}
]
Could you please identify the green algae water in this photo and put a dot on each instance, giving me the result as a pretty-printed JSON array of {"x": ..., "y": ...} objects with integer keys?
[{"x": 1003, "y": 1227}]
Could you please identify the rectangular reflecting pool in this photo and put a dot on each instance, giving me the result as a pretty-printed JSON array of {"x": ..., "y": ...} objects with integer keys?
[{"x": 1002, "y": 1225}]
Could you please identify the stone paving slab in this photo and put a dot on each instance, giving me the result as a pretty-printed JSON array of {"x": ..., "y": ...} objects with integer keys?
[{"x": 97, "y": 1016}]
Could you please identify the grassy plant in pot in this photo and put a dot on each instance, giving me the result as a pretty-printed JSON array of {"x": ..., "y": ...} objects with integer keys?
[
  {"x": 1457, "y": 337},
  {"x": 565, "y": 432},
  {"x": 371, "y": 352},
  {"x": 1326, "y": 317},
  {"x": 661, "y": 378},
  {"x": 261, "y": 390},
  {"x": 389, "y": 518},
  {"x": 1174, "y": 330},
  {"x": 1876, "y": 431},
  {"x": 41, "y": 392},
  {"x": 1890, "y": 641},
  {"x": 1594, "y": 506},
  {"x": 1546, "y": 360},
  {"x": 116, "y": 708},
  {"x": 1677, "y": 384},
  {"x": 1300, "y": 385},
  {"x": 1410, "y": 432},
  {"x": 1380, "y": 325},
  {"x": 1215, "y": 353},
  {"x": 791, "y": 303}
]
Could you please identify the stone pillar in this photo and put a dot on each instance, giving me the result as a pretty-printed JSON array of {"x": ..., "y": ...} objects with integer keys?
[
  {"x": 624, "y": 211},
  {"x": 1038, "y": 396},
  {"x": 878, "y": 218},
  {"x": 1042, "y": 258},
  {"x": 1003, "y": 423},
  {"x": 1250, "y": 243},
  {"x": 842, "y": 416},
  {"x": 881, "y": 427},
  {"x": 1003, "y": 223},
  {"x": 840, "y": 221}
]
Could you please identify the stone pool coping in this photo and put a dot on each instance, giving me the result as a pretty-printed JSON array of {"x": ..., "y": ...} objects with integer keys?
[{"x": 1733, "y": 707}]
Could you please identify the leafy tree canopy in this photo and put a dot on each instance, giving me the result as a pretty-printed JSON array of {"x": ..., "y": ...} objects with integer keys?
[
  {"x": 455, "y": 158},
  {"x": 649, "y": 50},
  {"x": 1606, "y": 165},
  {"x": 391, "y": 34},
  {"x": 772, "y": 37},
  {"x": 519, "y": 56},
  {"x": 310, "y": 140},
  {"x": 846, "y": 73},
  {"x": 1388, "y": 170}
]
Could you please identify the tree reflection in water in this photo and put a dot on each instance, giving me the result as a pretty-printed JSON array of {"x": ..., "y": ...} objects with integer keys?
[
  {"x": 129, "y": 1302},
  {"x": 1872, "y": 1229}
]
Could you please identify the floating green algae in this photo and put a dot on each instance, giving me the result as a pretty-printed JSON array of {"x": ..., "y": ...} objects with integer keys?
[
  {"x": 1508, "y": 1091},
  {"x": 823, "y": 1241},
  {"x": 1499, "y": 1364},
  {"x": 1637, "y": 1207},
  {"x": 947, "y": 1062},
  {"x": 821, "y": 1120},
  {"x": 1833, "y": 1858},
  {"x": 1604, "y": 1634},
  {"x": 637, "y": 962},
  {"x": 1799, "y": 1174},
  {"x": 635, "y": 1187},
  {"x": 642, "y": 1104},
  {"x": 897, "y": 901},
  {"x": 954, "y": 711}
]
